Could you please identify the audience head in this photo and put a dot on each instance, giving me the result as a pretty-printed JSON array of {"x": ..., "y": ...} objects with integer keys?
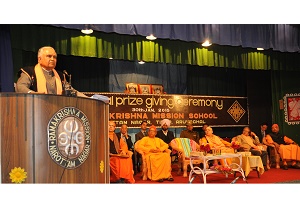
[
  {"x": 144, "y": 125},
  {"x": 246, "y": 131},
  {"x": 47, "y": 57},
  {"x": 209, "y": 131},
  {"x": 275, "y": 128},
  {"x": 189, "y": 125},
  {"x": 152, "y": 131},
  {"x": 123, "y": 129},
  {"x": 204, "y": 126},
  {"x": 264, "y": 126},
  {"x": 165, "y": 124},
  {"x": 111, "y": 126}
]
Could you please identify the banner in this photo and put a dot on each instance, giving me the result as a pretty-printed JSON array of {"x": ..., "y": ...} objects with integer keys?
[
  {"x": 131, "y": 109},
  {"x": 292, "y": 108}
]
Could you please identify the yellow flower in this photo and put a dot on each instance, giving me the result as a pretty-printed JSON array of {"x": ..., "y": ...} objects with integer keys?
[
  {"x": 17, "y": 175},
  {"x": 101, "y": 166}
]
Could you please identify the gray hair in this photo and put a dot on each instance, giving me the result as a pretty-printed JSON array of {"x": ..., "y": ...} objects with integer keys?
[{"x": 41, "y": 50}]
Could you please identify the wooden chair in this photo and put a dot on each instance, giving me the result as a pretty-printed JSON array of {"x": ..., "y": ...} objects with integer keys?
[{"x": 185, "y": 146}]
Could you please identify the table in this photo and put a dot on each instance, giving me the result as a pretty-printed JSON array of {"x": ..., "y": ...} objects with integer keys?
[
  {"x": 249, "y": 162},
  {"x": 196, "y": 170}
]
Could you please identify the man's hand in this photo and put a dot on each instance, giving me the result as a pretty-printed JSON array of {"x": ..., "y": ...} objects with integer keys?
[{"x": 154, "y": 150}]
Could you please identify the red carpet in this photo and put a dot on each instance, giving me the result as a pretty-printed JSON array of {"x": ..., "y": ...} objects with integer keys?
[{"x": 271, "y": 176}]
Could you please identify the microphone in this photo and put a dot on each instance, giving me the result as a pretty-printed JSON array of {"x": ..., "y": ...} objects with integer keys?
[
  {"x": 66, "y": 73},
  {"x": 69, "y": 91},
  {"x": 233, "y": 182}
]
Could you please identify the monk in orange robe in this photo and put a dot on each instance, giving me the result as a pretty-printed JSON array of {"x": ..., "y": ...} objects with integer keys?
[
  {"x": 157, "y": 155},
  {"x": 120, "y": 162}
]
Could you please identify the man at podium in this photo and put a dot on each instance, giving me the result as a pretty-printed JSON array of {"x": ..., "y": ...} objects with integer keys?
[{"x": 43, "y": 78}]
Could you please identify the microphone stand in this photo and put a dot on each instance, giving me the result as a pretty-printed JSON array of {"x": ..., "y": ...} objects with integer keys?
[{"x": 69, "y": 91}]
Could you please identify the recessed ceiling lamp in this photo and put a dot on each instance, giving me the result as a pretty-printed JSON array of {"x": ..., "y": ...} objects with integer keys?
[
  {"x": 151, "y": 37},
  {"x": 141, "y": 62},
  {"x": 87, "y": 30},
  {"x": 260, "y": 49},
  {"x": 206, "y": 43}
]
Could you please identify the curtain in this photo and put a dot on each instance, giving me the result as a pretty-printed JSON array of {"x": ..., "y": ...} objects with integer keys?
[
  {"x": 6, "y": 63},
  {"x": 279, "y": 37},
  {"x": 134, "y": 48},
  {"x": 216, "y": 81},
  {"x": 169, "y": 75},
  {"x": 284, "y": 82}
]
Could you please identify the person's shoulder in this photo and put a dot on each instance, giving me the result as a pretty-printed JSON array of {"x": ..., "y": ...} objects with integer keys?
[{"x": 27, "y": 69}]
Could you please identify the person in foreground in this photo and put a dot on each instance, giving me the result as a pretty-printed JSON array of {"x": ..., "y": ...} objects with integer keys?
[
  {"x": 43, "y": 78},
  {"x": 249, "y": 142},
  {"x": 286, "y": 147},
  {"x": 120, "y": 161},
  {"x": 157, "y": 156}
]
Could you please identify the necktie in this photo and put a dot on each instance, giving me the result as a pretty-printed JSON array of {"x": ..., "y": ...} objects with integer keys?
[{"x": 144, "y": 133}]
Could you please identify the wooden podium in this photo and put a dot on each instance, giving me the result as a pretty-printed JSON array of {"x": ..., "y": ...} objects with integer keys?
[{"x": 54, "y": 138}]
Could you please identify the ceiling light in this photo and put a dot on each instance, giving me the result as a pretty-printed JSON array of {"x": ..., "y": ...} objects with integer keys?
[
  {"x": 260, "y": 49},
  {"x": 151, "y": 37},
  {"x": 141, "y": 62},
  {"x": 206, "y": 43},
  {"x": 87, "y": 31}
]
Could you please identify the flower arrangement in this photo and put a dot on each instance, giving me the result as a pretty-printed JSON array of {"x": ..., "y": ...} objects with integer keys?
[
  {"x": 235, "y": 145},
  {"x": 205, "y": 148},
  {"x": 17, "y": 175},
  {"x": 222, "y": 169}
]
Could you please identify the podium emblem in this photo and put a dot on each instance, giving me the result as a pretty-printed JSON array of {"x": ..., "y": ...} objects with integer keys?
[{"x": 69, "y": 139}]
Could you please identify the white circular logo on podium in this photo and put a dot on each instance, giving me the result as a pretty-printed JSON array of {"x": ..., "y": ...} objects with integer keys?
[{"x": 69, "y": 139}]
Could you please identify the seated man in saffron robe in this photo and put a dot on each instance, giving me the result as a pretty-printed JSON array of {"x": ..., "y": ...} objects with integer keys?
[
  {"x": 157, "y": 156},
  {"x": 286, "y": 147},
  {"x": 120, "y": 162},
  {"x": 218, "y": 143}
]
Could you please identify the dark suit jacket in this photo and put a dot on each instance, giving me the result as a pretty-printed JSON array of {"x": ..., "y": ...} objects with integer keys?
[
  {"x": 139, "y": 136},
  {"x": 167, "y": 139},
  {"x": 259, "y": 135},
  {"x": 128, "y": 141}
]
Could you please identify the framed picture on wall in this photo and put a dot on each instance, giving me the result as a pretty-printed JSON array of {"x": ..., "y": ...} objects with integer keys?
[
  {"x": 157, "y": 89},
  {"x": 292, "y": 107},
  {"x": 144, "y": 88},
  {"x": 132, "y": 88}
]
